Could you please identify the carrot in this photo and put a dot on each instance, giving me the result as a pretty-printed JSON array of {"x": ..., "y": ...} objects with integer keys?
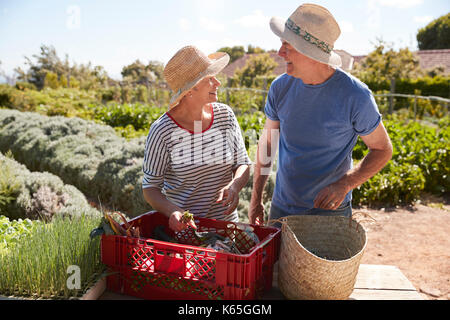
[
  {"x": 108, "y": 218},
  {"x": 127, "y": 225},
  {"x": 118, "y": 229},
  {"x": 138, "y": 232}
]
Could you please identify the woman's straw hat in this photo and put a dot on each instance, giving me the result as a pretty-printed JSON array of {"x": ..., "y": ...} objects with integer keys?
[
  {"x": 188, "y": 67},
  {"x": 312, "y": 31}
]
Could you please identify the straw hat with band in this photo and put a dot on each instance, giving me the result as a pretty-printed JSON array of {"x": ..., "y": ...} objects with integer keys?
[
  {"x": 188, "y": 67},
  {"x": 312, "y": 31}
]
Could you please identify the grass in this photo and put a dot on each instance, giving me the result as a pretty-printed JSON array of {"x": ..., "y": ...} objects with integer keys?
[{"x": 37, "y": 267}]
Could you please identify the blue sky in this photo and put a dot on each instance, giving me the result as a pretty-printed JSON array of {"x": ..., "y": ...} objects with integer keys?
[{"x": 116, "y": 33}]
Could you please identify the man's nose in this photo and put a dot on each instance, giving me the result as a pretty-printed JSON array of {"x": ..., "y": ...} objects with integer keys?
[{"x": 282, "y": 51}]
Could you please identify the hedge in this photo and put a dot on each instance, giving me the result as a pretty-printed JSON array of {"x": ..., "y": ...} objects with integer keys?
[
  {"x": 82, "y": 153},
  {"x": 437, "y": 86},
  {"x": 38, "y": 195}
]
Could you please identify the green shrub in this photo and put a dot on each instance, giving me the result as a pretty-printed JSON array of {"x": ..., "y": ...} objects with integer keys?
[
  {"x": 427, "y": 86},
  {"x": 37, "y": 195},
  {"x": 139, "y": 116},
  {"x": 82, "y": 153},
  {"x": 13, "y": 232},
  {"x": 420, "y": 163},
  {"x": 396, "y": 184},
  {"x": 9, "y": 186}
]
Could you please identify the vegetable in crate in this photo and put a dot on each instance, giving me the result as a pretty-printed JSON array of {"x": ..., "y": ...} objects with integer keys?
[
  {"x": 109, "y": 226},
  {"x": 188, "y": 219}
]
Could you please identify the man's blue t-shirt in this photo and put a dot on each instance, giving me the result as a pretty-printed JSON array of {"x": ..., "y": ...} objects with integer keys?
[{"x": 319, "y": 127}]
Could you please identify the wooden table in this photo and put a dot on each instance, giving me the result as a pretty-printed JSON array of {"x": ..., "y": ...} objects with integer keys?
[{"x": 373, "y": 282}]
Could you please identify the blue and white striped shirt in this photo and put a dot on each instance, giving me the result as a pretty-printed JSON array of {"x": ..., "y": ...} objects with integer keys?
[{"x": 191, "y": 168}]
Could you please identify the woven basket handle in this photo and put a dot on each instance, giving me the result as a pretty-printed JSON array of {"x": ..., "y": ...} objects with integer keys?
[{"x": 281, "y": 220}]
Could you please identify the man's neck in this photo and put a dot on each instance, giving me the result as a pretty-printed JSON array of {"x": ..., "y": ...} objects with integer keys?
[{"x": 317, "y": 74}]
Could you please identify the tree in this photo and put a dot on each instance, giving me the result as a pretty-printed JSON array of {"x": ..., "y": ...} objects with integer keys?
[
  {"x": 141, "y": 73},
  {"x": 51, "y": 80},
  {"x": 86, "y": 75},
  {"x": 251, "y": 49},
  {"x": 256, "y": 66},
  {"x": 386, "y": 64},
  {"x": 235, "y": 52},
  {"x": 436, "y": 35}
]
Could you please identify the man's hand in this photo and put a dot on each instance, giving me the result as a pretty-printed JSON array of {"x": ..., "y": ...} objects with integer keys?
[
  {"x": 331, "y": 196},
  {"x": 256, "y": 212},
  {"x": 380, "y": 152}
]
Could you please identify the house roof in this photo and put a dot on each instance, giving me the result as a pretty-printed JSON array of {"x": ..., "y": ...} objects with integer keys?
[
  {"x": 428, "y": 59},
  {"x": 433, "y": 58}
]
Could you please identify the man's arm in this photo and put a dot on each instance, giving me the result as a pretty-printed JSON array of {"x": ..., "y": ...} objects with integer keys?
[
  {"x": 380, "y": 152},
  {"x": 267, "y": 148}
]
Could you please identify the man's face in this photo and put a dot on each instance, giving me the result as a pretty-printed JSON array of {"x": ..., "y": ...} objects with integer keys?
[{"x": 293, "y": 58}]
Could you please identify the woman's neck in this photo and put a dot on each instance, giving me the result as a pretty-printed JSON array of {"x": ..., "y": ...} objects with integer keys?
[{"x": 187, "y": 115}]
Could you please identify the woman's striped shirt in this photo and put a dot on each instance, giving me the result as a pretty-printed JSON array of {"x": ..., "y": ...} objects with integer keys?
[{"x": 191, "y": 168}]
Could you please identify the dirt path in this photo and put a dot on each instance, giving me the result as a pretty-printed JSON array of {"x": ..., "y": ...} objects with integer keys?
[{"x": 416, "y": 240}]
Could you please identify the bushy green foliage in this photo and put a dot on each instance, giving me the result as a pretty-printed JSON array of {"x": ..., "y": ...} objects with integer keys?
[
  {"x": 12, "y": 232},
  {"x": 426, "y": 86},
  {"x": 384, "y": 63},
  {"x": 436, "y": 35},
  {"x": 84, "y": 154},
  {"x": 139, "y": 116},
  {"x": 242, "y": 101},
  {"x": 38, "y": 195},
  {"x": 420, "y": 163},
  {"x": 65, "y": 102},
  {"x": 235, "y": 52},
  {"x": 9, "y": 186},
  {"x": 257, "y": 65}
]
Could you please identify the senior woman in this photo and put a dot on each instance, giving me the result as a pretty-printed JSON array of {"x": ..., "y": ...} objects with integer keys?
[{"x": 195, "y": 158}]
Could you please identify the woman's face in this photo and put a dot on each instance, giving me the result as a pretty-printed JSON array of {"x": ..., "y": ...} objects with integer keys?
[{"x": 206, "y": 90}]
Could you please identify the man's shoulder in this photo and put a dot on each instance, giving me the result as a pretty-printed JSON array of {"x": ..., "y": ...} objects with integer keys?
[
  {"x": 281, "y": 79},
  {"x": 353, "y": 83},
  {"x": 282, "y": 82}
]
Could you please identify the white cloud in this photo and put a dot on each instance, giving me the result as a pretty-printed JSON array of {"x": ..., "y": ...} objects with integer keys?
[
  {"x": 73, "y": 20},
  {"x": 209, "y": 5},
  {"x": 401, "y": 4},
  {"x": 211, "y": 25},
  {"x": 184, "y": 24},
  {"x": 346, "y": 26},
  {"x": 255, "y": 20},
  {"x": 423, "y": 19},
  {"x": 374, "y": 14}
]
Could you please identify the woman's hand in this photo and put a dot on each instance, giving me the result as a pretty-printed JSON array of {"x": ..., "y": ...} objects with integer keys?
[
  {"x": 176, "y": 222},
  {"x": 229, "y": 196}
]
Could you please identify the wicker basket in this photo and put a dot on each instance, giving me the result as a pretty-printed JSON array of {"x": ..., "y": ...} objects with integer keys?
[{"x": 319, "y": 257}]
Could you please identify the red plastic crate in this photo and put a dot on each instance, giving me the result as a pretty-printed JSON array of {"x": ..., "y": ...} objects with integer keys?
[{"x": 153, "y": 269}]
